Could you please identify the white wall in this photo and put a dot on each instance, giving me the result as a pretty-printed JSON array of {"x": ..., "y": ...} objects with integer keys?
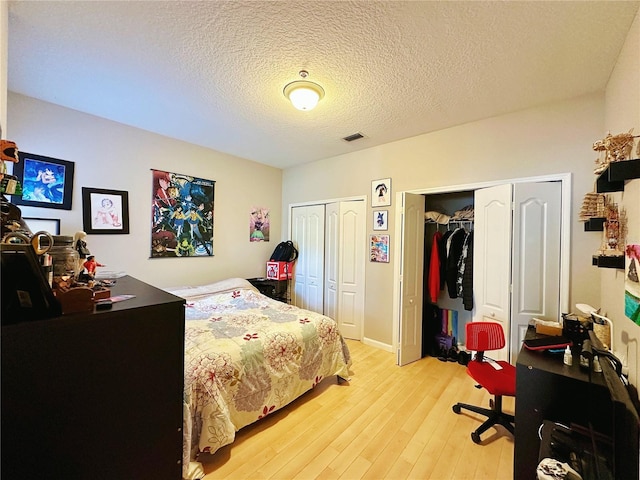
[
  {"x": 547, "y": 140},
  {"x": 114, "y": 156},
  {"x": 622, "y": 112},
  {"x": 4, "y": 49}
]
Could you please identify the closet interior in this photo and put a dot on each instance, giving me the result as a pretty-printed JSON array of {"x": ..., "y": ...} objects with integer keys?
[{"x": 448, "y": 272}]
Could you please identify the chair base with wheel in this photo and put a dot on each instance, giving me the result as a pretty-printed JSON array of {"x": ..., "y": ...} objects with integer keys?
[{"x": 497, "y": 377}]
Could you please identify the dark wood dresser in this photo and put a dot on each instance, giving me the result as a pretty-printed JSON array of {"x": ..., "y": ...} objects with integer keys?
[{"x": 98, "y": 395}]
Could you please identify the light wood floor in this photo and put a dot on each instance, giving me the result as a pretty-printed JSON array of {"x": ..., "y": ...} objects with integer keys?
[{"x": 387, "y": 422}]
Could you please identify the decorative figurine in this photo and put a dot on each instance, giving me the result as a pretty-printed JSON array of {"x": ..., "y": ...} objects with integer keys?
[
  {"x": 593, "y": 206},
  {"x": 81, "y": 247},
  {"x": 613, "y": 239},
  {"x": 9, "y": 184},
  {"x": 616, "y": 147},
  {"x": 90, "y": 266}
]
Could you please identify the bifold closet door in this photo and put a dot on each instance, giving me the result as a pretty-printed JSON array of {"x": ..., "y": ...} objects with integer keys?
[
  {"x": 331, "y": 259},
  {"x": 517, "y": 256},
  {"x": 411, "y": 279},
  {"x": 536, "y": 257},
  {"x": 307, "y": 233},
  {"x": 492, "y": 258},
  {"x": 345, "y": 230}
]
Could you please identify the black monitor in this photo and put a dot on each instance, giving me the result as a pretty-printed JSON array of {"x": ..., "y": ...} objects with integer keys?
[{"x": 625, "y": 428}]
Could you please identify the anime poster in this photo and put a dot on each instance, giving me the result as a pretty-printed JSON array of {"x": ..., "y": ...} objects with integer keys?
[
  {"x": 259, "y": 224},
  {"x": 379, "y": 248},
  {"x": 46, "y": 182},
  {"x": 632, "y": 284},
  {"x": 182, "y": 216}
]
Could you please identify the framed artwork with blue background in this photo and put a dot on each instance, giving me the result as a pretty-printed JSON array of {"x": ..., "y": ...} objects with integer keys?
[{"x": 46, "y": 182}]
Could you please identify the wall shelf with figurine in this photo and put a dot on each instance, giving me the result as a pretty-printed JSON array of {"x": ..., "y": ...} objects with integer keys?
[
  {"x": 613, "y": 178},
  {"x": 606, "y": 261}
]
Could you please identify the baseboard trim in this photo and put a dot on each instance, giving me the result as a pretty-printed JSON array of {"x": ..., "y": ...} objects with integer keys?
[{"x": 376, "y": 344}]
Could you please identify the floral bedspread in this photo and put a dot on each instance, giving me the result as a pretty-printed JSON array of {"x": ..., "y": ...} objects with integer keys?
[{"x": 246, "y": 356}]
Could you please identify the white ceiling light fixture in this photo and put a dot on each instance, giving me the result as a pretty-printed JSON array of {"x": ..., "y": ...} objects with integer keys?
[{"x": 303, "y": 94}]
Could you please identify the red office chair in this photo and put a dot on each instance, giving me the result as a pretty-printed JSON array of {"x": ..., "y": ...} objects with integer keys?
[{"x": 481, "y": 337}]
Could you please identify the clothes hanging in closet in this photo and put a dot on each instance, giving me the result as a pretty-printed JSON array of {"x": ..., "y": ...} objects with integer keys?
[
  {"x": 464, "y": 281},
  {"x": 443, "y": 258},
  {"x": 455, "y": 243},
  {"x": 434, "y": 268}
]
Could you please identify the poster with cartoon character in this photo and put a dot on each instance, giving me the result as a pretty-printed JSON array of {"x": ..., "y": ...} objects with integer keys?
[
  {"x": 181, "y": 215},
  {"x": 632, "y": 284},
  {"x": 259, "y": 224}
]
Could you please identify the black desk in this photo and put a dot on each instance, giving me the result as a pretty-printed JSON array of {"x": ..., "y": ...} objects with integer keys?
[{"x": 546, "y": 389}]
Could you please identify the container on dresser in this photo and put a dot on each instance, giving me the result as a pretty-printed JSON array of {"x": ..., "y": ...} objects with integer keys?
[{"x": 97, "y": 395}]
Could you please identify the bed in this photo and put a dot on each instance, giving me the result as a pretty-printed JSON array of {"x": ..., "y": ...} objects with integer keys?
[{"x": 246, "y": 356}]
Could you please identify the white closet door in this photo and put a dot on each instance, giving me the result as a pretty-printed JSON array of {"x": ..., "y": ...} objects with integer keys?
[
  {"x": 492, "y": 258},
  {"x": 308, "y": 235},
  {"x": 351, "y": 264},
  {"x": 298, "y": 228},
  {"x": 536, "y": 257},
  {"x": 516, "y": 269},
  {"x": 332, "y": 260},
  {"x": 411, "y": 279}
]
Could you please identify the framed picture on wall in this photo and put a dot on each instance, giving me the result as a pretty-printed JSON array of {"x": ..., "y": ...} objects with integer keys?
[
  {"x": 105, "y": 211},
  {"x": 381, "y": 219},
  {"x": 46, "y": 182},
  {"x": 381, "y": 192},
  {"x": 50, "y": 225},
  {"x": 379, "y": 248}
]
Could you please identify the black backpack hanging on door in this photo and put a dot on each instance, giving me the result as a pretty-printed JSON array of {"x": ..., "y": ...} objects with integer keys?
[{"x": 284, "y": 252}]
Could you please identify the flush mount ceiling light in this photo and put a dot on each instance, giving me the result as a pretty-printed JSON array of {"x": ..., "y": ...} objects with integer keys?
[{"x": 303, "y": 94}]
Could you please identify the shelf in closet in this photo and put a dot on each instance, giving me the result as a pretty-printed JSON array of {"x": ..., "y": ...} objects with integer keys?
[
  {"x": 613, "y": 178},
  {"x": 606, "y": 261}
]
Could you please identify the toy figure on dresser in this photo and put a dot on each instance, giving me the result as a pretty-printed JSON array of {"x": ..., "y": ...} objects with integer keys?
[
  {"x": 90, "y": 266},
  {"x": 81, "y": 247},
  {"x": 616, "y": 147},
  {"x": 87, "y": 275}
]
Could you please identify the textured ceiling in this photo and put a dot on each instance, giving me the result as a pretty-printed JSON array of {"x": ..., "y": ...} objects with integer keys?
[{"x": 212, "y": 72}]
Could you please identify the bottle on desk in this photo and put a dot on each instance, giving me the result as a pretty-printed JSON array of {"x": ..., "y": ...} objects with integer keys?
[
  {"x": 596, "y": 364},
  {"x": 568, "y": 358}
]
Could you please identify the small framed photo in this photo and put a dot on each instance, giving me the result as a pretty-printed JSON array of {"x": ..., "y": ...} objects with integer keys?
[
  {"x": 46, "y": 182},
  {"x": 379, "y": 248},
  {"x": 381, "y": 219},
  {"x": 49, "y": 225},
  {"x": 381, "y": 193},
  {"x": 105, "y": 211}
]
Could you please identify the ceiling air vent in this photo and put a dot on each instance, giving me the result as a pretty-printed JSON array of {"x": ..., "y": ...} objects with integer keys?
[{"x": 355, "y": 136}]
